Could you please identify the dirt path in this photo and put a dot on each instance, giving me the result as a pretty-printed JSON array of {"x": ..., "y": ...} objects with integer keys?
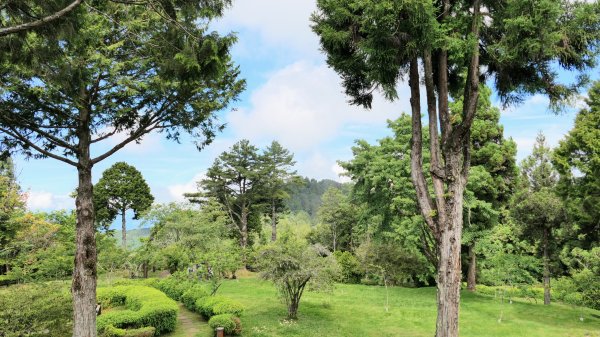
[{"x": 189, "y": 324}]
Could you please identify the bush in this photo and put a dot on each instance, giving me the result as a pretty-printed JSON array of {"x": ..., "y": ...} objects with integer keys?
[
  {"x": 351, "y": 271},
  {"x": 111, "y": 331},
  {"x": 230, "y": 324},
  {"x": 146, "y": 307},
  {"x": 583, "y": 288},
  {"x": 192, "y": 295},
  {"x": 6, "y": 280},
  {"x": 35, "y": 311},
  {"x": 174, "y": 287},
  {"x": 227, "y": 306}
]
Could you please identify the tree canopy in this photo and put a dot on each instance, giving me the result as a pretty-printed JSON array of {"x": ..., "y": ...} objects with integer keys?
[{"x": 121, "y": 187}]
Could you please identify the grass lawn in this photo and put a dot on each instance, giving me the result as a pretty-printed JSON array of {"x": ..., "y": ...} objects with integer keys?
[{"x": 357, "y": 310}]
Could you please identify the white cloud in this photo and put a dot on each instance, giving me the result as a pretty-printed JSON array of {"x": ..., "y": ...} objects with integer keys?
[
  {"x": 302, "y": 105},
  {"x": 281, "y": 22},
  {"x": 177, "y": 191},
  {"x": 340, "y": 171},
  {"x": 42, "y": 200}
]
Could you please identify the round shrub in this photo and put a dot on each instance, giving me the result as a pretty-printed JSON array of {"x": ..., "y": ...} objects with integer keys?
[
  {"x": 192, "y": 295},
  {"x": 227, "y": 306},
  {"x": 174, "y": 287},
  {"x": 230, "y": 324}
]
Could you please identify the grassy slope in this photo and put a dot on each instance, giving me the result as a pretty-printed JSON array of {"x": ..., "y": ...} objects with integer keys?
[{"x": 356, "y": 310}]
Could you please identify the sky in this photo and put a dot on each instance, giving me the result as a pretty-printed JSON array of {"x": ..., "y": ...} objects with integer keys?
[{"x": 292, "y": 97}]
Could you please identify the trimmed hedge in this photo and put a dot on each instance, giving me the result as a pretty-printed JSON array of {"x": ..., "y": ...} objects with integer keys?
[
  {"x": 174, "y": 287},
  {"x": 193, "y": 294},
  {"x": 111, "y": 331},
  {"x": 527, "y": 292},
  {"x": 196, "y": 298},
  {"x": 230, "y": 323},
  {"x": 145, "y": 307}
]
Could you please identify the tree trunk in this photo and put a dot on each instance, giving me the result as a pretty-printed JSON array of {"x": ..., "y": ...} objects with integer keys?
[
  {"x": 83, "y": 287},
  {"x": 273, "y": 222},
  {"x": 449, "y": 269},
  {"x": 244, "y": 229},
  {"x": 546, "y": 269},
  {"x": 123, "y": 230},
  {"x": 293, "y": 308},
  {"x": 472, "y": 272},
  {"x": 145, "y": 269}
]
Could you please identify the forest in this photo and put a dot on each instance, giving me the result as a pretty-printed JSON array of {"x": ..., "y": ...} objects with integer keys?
[{"x": 438, "y": 227}]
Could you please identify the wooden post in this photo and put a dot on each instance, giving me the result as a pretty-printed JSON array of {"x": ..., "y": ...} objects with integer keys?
[{"x": 220, "y": 332}]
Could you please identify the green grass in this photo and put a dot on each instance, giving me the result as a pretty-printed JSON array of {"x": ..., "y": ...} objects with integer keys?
[{"x": 357, "y": 310}]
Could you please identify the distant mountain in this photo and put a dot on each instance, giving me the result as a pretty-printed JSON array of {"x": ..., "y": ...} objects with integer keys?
[
  {"x": 307, "y": 197},
  {"x": 133, "y": 236}
]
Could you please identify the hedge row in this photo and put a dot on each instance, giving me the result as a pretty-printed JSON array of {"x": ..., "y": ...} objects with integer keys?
[
  {"x": 527, "y": 292},
  {"x": 221, "y": 311},
  {"x": 144, "y": 307}
]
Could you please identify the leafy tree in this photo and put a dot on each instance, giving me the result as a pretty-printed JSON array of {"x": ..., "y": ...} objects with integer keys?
[
  {"x": 235, "y": 180},
  {"x": 24, "y": 15},
  {"x": 306, "y": 195},
  {"x": 492, "y": 177},
  {"x": 577, "y": 159},
  {"x": 12, "y": 202},
  {"x": 338, "y": 216},
  {"x": 516, "y": 44},
  {"x": 383, "y": 188},
  {"x": 118, "y": 71},
  {"x": 121, "y": 188},
  {"x": 279, "y": 177},
  {"x": 537, "y": 207},
  {"x": 293, "y": 266}
]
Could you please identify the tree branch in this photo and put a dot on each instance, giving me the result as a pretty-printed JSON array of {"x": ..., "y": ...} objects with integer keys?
[
  {"x": 29, "y": 143},
  {"x": 42, "y": 21},
  {"x": 416, "y": 153}
]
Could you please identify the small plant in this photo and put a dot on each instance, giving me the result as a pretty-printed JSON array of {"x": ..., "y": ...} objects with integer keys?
[{"x": 231, "y": 325}]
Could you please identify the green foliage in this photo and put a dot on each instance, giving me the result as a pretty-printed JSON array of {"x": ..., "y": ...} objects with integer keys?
[
  {"x": 338, "y": 216},
  {"x": 111, "y": 331},
  {"x": 192, "y": 294},
  {"x": 577, "y": 159},
  {"x": 306, "y": 196},
  {"x": 35, "y": 311},
  {"x": 144, "y": 307},
  {"x": 164, "y": 74},
  {"x": 231, "y": 325},
  {"x": 292, "y": 265},
  {"x": 350, "y": 267},
  {"x": 216, "y": 305},
  {"x": 174, "y": 287},
  {"x": 121, "y": 187},
  {"x": 12, "y": 202}
]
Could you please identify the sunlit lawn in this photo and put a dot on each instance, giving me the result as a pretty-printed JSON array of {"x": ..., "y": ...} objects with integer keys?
[{"x": 357, "y": 310}]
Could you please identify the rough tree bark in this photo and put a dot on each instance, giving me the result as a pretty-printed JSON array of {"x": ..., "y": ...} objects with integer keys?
[
  {"x": 83, "y": 287},
  {"x": 449, "y": 167},
  {"x": 273, "y": 222},
  {"x": 472, "y": 272},
  {"x": 123, "y": 229},
  {"x": 244, "y": 227},
  {"x": 546, "y": 268}
]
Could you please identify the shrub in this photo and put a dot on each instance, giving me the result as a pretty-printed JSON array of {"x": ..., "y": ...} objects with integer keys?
[
  {"x": 35, "y": 311},
  {"x": 192, "y": 295},
  {"x": 583, "y": 288},
  {"x": 111, "y": 331},
  {"x": 227, "y": 306},
  {"x": 351, "y": 271},
  {"x": 146, "y": 307},
  {"x": 6, "y": 280},
  {"x": 230, "y": 324},
  {"x": 174, "y": 287}
]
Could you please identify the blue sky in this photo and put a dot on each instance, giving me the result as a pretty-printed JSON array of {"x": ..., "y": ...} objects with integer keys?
[{"x": 292, "y": 97}]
